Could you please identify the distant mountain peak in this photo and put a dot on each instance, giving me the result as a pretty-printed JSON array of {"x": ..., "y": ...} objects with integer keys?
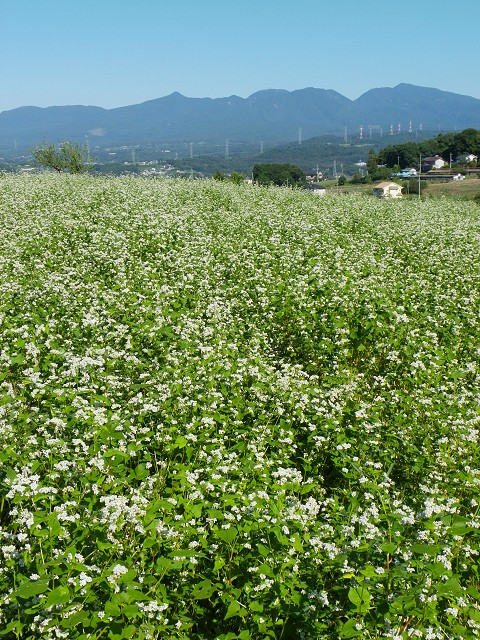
[{"x": 269, "y": 115}]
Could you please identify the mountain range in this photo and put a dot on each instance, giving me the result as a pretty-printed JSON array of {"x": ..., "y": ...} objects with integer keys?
[{"x": 270, "y": 115}]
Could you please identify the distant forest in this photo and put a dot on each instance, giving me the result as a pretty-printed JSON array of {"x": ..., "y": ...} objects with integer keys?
[{"x": 447, "y": 145}]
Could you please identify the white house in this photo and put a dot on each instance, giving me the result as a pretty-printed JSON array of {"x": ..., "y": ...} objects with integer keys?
[
  {"x": 433, "y": 162},
  {"x": 466, "y": 157},
  {"x": 387, "y": 190}
]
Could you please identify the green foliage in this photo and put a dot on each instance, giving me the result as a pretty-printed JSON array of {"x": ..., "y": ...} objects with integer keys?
[
  {"x": 359, "y": 178},
  {"x": 407, "y": 155},
  {"x": 372, "y": 163},
  {"x": 219, "y": 175},
  {"x": 236, "y": 413},
  {"x": 376, "y": 172},
  {"x": 403, "y": 155},
  {"x": 278, "y": 174},
  {"x": 466, "y": 141},
  {"x": 69, "y": 157},
  {"x": 237, "y": 178},
  {"x": 413, "y": 187}
]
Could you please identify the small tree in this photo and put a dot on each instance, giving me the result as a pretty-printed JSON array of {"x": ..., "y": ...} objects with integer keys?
[
  {"x": 414, "y": 187},
  {"x": 70, "y": 157},
  {"x": 236, "y": 178},
  {"x": 372, "y": 163}
]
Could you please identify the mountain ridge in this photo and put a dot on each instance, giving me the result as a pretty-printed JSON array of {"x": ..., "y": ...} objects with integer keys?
[{"x": 270, "y": 115}]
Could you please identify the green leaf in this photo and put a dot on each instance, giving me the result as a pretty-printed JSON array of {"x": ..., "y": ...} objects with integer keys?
[
  {"x": 15, "y": 626},
  {"x": 59, "y": 595},
  {"x": 130, "y": 611},
  {"x": 129, "y": 631},
  {"x": 115, "y": 453},
  {"x": 266, "y": 569},
  {"x": 349, "y": 630},
  {"x": 297, "y": 543},
  {"x": 219, "y": 564},
  {"x": 426, "y": 549},
  {"x": 141, "y": 472},
  {"x": 281, "y": 537},
  {"x": 474, "y": 614},
  {"x": 449, "y": 588},
  {"x": 234, "y": 609},
  {"x": 203, "y": 590},
  {"x": 111, "y": 609},
  {"x": 389, "y": 547},
  {"x": 359, "y": 597},
  {"x": 77, "y": 618},
  {"x": 149, "y": 542},
  {"x": 196, "y": 510},
  {"x": 227, "y": 535},
  {"x": 54, "y": 524},
  {"x": 30, "y": 589},
  {"x": 475, "y": 593},
  {"x": 181, "y": 442}
]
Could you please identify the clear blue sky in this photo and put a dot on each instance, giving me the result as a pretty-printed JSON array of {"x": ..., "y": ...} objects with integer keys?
[{"x": 112, "y": 53}]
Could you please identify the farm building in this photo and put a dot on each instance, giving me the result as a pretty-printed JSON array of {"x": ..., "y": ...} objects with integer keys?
[
  {"x": 316, "y": 189},
  {"x": 466, "y": 157},
  {"x": 387, "y": 190},
  {"x": 432, "y": 162}
]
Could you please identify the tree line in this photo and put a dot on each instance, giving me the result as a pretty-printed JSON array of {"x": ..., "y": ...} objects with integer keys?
[{"x": 446, "y": 145}]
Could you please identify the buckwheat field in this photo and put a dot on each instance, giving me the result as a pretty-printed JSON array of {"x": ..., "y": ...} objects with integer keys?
[{"x": 236, "y": 412}]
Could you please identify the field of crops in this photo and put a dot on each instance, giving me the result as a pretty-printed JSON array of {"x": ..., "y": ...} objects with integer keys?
[{"x": 233, "y": 412}]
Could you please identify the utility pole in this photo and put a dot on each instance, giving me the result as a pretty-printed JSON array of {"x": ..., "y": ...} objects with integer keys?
[{"x": 419, "y": 177}]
